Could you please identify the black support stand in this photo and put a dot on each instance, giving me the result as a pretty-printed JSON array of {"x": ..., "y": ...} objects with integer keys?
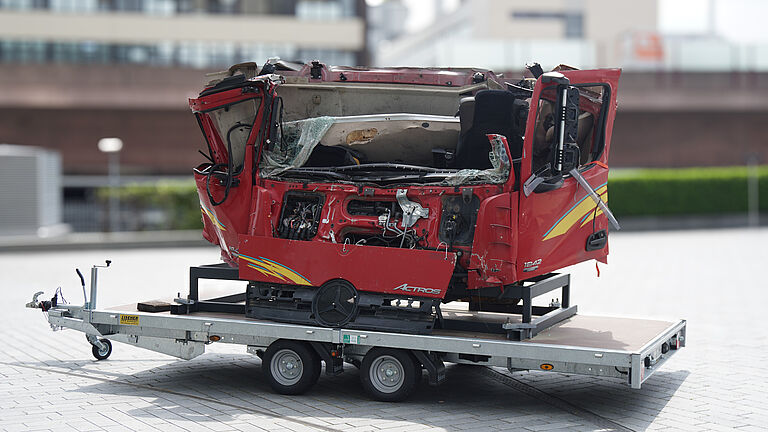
[
  {"x": 228, "y": 304},
  {"x": 534, "y": 318},
  {"x": 545, "y": 316}
]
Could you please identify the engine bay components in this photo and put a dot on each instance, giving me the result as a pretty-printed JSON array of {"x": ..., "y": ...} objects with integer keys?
[
  {"x": 395, "y": 220},
  {"x": 300, "y": 216},
  {"x": 458, "y": 219},
  {"x": 411, "y": 210},
  {"x": 360, "y": 207}
]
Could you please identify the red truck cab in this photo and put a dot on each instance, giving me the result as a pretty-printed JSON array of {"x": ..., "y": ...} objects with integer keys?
[{"x": 365, "y": 197}]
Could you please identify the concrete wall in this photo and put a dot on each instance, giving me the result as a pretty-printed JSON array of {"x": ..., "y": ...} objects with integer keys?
[
  {"x": 685, "y": 138},
  {"x": 605, "y": 24},
  {"x": 166, "y": 141},
  {"x": 155, "y": 141},
  {"x": 664, "y": 119}
]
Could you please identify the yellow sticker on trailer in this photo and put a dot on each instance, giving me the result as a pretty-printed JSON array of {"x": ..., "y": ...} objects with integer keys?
[{"x": 129, "y": 320}]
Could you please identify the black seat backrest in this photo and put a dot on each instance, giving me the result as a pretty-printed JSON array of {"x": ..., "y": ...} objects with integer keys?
[
  {"x": 466, "y": 113},
  {"x": 497, "y": 112}
]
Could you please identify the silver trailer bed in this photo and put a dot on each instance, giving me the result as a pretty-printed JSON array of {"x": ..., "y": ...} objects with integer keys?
[
  {"x": 391, "y": 363},
  {"x": 632, "y": 349}
]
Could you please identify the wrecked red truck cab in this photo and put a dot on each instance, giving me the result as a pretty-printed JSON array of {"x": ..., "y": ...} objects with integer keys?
[{"x": 363, "y": 198}]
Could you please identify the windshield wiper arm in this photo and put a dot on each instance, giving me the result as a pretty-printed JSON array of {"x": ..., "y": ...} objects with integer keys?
[
  {"x": 390, "y": 166},
  {"x": 312, "y": 172}
]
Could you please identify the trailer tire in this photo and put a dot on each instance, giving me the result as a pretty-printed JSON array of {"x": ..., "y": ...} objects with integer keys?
[
  {"x": 102, "y": 354},
  {"x": 389, "y": 374},
  {"x": 291, "y": 367}
]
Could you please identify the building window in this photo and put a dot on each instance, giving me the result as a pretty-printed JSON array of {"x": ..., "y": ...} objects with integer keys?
[
  {"x": 22, "y": 51},
  {"x": 165, "y": 53},
  {"x": 572, "y": 20},
  {"x": 223, "y": 6},
  {"x": 76, "y": 6},
  {"x": 24, "y": 4},
  {"x": 160, "y": 7}
]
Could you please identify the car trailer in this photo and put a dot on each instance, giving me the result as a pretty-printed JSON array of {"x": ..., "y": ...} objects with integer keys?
[{"x": 391, "y": 364}]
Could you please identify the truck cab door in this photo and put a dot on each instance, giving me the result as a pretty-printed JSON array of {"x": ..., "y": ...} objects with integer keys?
[
  {"x": 559, "y": 224},
  {"x": 230, "y": 121}
]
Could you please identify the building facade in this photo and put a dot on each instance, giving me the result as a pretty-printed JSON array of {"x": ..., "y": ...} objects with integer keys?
[
  {"x": 184, "y": 33},
  {"x": 73, "y": 71}
]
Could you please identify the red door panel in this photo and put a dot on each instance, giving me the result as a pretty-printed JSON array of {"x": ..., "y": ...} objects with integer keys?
[{"x": 554, "y": 225}]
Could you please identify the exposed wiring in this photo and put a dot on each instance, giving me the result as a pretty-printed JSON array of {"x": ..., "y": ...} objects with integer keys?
[
  {"x": 60, "y": 295},
  {"x": 229, "y": 165}
]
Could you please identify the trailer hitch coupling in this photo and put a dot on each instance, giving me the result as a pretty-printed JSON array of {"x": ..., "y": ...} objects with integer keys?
[
  {"x": 45, "y": 305},
  {"x": 34, "y": 304}
]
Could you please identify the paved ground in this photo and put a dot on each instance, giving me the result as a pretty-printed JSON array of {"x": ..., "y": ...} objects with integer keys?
[{"x": 712, "y": 278}]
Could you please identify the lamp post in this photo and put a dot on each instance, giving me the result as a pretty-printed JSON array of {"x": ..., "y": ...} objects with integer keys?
[{"x": 112, "y": 147}]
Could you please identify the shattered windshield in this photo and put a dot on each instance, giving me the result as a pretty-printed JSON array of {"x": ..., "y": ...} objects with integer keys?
[
  {"x": 233, "y": 124},
  {"x": 385, "y": 148},
  {"x": 293, "y": 149}
]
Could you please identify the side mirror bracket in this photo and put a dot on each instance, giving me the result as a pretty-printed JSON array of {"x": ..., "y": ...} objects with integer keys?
[{"x": 539, "y": 182}]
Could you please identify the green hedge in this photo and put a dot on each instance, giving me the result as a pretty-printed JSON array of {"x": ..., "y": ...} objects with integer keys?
[
  {"x": 176, "y": 199},
  {"x": 689, "y": 191},
  {"x": 641, "y": 192}
]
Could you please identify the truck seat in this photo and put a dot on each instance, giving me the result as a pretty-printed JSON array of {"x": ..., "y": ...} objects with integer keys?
[{"x": 490, "y": 111}]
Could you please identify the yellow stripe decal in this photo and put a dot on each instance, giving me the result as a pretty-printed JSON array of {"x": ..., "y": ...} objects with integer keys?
[
  {"x": 265, "y": 272},
  {"x": 272, "y": 268},
  {"x": 212, "y": 217},
  {"x": 582, "y": 211}
]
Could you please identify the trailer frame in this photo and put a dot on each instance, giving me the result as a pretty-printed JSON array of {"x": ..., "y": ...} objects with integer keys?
[{"x": 185, "y": 336}]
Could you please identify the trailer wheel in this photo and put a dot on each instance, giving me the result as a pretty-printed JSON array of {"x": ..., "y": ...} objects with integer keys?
[
  {"x": 102, "y": 354},
  {"x": 291, "y": 367},
  {"x": 389, "y": 375}
]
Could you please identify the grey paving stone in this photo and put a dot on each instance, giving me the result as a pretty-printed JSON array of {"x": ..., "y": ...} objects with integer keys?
[{"x": 702, "y": 387}]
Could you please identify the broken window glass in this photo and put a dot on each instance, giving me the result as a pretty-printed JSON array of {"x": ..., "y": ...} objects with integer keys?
[
  {"x": 380, "y": 149},
  {"x": 293, "y": 149},
  {"x": 497, "y": 174}
]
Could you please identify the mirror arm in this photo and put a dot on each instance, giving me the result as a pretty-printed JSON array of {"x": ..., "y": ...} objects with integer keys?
[
  {"x": 592, "y": 194},
  {"x": 535, "y": 180}
]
